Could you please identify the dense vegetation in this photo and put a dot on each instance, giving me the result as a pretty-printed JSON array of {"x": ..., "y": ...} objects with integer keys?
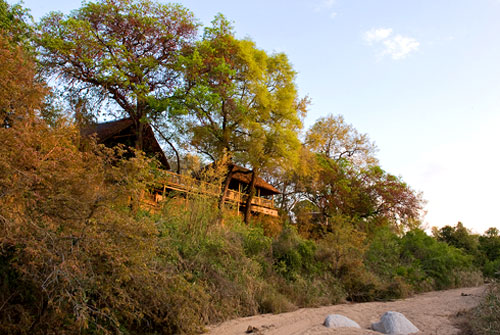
[{"x": 78, "y": 253}]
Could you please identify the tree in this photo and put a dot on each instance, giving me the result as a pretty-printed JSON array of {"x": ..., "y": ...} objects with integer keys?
[
  {"x": 334, "y": 138},
  {"x": 124, "y": 51},
  {"x": 489, "y": 244},
  {"x": 339, "y": 176},
  {"x": 241, "y": 103},
  {"x": 459, "y": 237},
  {"x": 329, "y": 137},
  {"x": 369, "y": 197},
  {"x": 21, "y": 93},
  {"x": 14, "y": 24}
]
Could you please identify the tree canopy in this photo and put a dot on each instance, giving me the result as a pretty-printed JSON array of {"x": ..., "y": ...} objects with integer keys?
[
  {"x": 338, "y": 181},
  {"x": 239, "y": 102},
  {"x": 123, "y": 51},
  {"x": 15, "y": 24},
  {"x": 332, "y": 137},
  {"x": 21, "y": 90},
  {"x": 235, "y": 91}
]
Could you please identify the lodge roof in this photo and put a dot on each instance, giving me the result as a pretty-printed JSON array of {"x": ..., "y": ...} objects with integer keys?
[
  {"x": 122, "y": 131},
  {"x": 244, "y": 175}
]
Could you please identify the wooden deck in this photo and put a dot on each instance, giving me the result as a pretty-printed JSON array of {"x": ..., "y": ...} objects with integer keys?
[{"x": 171, "y": 181}]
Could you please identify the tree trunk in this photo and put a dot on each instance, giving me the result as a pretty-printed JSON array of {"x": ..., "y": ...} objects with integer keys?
[
  {"x": 177, "y": 156},
  {"x": 139, "y": 142},
  {"x": 248, "y": 205},
  {"x": 227, "y": 181}
]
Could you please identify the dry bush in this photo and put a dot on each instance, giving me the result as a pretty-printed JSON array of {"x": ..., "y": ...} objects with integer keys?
[
  {"x": 272, "y": 301},
  {"x": 21, "y": 93},
  {"x": 485, "y": 318},
  {"x": 75, "y": 256}
]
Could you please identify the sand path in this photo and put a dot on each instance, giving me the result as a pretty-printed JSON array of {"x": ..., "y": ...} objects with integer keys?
[{"x": 431, "y": 312}]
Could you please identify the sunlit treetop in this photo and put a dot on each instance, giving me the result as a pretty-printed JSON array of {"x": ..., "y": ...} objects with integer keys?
[{"x": 125, "y": 51}]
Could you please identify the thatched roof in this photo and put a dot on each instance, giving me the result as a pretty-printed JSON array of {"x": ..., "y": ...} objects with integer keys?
[
  {"x": 123, "y": 132},
  {"x": 244, "y": 176},
  {"x": 107, "y": 130}
]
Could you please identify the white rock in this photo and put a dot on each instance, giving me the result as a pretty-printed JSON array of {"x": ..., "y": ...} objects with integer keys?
[
  {"x": 394, "y": 323},
  {"x": 337, "y": 321}
]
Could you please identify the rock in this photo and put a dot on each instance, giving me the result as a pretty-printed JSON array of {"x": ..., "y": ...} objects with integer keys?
[
  {"x": 337, "y": 321},
  {"x": 394, "y": 323},
  {"x": 252, "y": 329}
]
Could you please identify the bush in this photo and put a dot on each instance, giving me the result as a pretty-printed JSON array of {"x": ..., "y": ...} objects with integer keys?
[
  {"x": 424, "y": 258},
  {"x": 76, "y": 257},
  {"x": 485, "y": 318},
  {"x": 491, "y": 269},
  {"x": 87, "y": 259},
  {"x": 293, "y": 255}
]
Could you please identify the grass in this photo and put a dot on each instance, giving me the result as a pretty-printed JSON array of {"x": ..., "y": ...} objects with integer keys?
[{"x": 485, "y": 318}]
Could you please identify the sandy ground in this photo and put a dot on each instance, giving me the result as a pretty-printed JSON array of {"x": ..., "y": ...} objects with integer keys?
[{"x": 432, "y": 313}]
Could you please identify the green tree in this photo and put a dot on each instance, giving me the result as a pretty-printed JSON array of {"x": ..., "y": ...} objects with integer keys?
[
  {"x": 459, "y": 237},
  {"x": 328, "y": 139},
  {"x": 124, "y": 51},
  {"x": 332, "y": 137},
  {"x": 15, "y": 24},
  {"x": 489, "y": 246},
  {"x": 425, "y": 258},
  {"x": 241, "y": 103}
]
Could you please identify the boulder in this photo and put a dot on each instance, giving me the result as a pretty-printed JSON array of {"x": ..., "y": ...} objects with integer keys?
[
  {"x": 394, "y": 323},
  {"x": 337, "y": 321}
]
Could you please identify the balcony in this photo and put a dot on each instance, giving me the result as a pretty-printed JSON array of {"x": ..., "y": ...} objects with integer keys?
[{"x": 170, "y": 181}]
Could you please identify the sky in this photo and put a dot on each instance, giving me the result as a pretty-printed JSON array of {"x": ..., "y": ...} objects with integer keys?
[{"x": 420, "y": 77}]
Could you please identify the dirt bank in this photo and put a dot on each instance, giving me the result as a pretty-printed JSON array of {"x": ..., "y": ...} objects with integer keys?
[{"x": 431, "y": 312}]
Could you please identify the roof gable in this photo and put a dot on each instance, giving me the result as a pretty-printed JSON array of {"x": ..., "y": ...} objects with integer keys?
[{"x": 122, "y": 132}]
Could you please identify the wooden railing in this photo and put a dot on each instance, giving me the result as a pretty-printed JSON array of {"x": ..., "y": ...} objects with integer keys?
[
  {"x": 173, "y": 181},
  {"x": 182, "y": 183}
]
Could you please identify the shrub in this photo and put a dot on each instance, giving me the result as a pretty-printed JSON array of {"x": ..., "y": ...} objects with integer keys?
[
  {"x": 491, "y": 269},
  {"x": 76, "y": 257},
  {"x": 424, "y": 257},
  {"x": 293, "y": 255},
  {"x": 485, "y": 318}
]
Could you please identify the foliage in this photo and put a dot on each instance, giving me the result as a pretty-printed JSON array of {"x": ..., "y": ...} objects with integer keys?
[
  {"x": 332, "y": 137},
  {"x": 459, "y": 237},
  {"x": 369, "y": 197},
  {"x": 341, "y": 252},
  {"x": 79, "y": 252},
  {"x": 238, "y": 98},
  {"x": 338, "y": 179},
  {"x": 239, "y": 102},
  {"x": 125, "y": 51},
  {"x": 485, "y": 318},
  {"x": 293, "y": 255},
  {"x": 74, "y": 248},
  {"x": 79, "y": 259},
  {"x": 15, "y": 25},
  {"x": 489, "y": 246},
  {"x": 484, "y": 249},
  {"x": 434, "y": 260},
  {"x": 417, "y": 262},
  {"x": 21, "y": 93}
]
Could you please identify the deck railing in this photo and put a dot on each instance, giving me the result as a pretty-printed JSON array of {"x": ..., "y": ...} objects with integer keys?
[{"x": 174, "y": 181}]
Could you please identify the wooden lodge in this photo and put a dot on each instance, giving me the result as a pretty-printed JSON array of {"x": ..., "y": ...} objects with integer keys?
[{"x": 122, "y": 132}]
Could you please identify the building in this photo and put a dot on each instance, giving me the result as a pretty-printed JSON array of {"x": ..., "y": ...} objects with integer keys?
[{"x": 123, "y": 132}]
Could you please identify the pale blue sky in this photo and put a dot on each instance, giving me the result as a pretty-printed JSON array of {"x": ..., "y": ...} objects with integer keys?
[{"x": 422, "y": 78}]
